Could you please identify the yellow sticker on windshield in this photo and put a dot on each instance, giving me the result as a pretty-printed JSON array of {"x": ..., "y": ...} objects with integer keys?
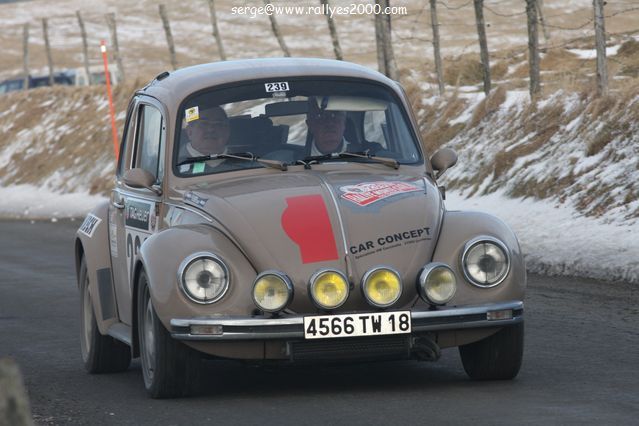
[{"x": 192, "y": 114}]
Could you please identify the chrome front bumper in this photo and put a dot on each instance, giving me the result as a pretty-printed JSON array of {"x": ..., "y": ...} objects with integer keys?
[{"x": 223, "y": 328}]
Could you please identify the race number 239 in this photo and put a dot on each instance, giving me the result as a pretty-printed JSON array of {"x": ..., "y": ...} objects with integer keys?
[{"x": 281, "y": 86}]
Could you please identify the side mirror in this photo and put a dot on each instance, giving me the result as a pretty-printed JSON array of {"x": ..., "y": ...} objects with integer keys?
[
  {"x": 140, "y": 178},
  {"x": 442, "y": 160}
]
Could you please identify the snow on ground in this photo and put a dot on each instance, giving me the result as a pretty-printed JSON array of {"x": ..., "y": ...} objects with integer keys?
[
  {"x": 557, "y": 240},
  {"x": 554, "y": 240},
  {"x": 31, "y": 202},
  {"x": 592, "y": 53}
]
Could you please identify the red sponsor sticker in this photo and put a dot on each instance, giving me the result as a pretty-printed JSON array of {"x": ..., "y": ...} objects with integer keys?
[
  {"x": 305, "y": 220},
  {"x": 364, "y": 194}
]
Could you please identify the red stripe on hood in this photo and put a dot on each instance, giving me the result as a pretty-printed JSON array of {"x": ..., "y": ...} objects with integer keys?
[{"x": 305, "y": 220}]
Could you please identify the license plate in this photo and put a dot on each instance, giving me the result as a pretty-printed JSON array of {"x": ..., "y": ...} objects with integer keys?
[{"x": 351, "y": 325}]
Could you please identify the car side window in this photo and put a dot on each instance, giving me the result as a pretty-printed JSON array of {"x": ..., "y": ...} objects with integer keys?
[
  {"x": 149, "y": 140},
  {"x": 127, "y": 137},
  {"x": 375, "y": 127}
]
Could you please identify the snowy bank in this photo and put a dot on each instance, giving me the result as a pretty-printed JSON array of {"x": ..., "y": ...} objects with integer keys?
[
  {"x": 31, "y": 202},
  {"x": 557, "y": 240}
]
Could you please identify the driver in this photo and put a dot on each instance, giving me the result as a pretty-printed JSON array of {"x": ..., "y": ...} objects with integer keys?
[
  {"x": 327, "y": 129},
  {"x": 208, "y": 133}
]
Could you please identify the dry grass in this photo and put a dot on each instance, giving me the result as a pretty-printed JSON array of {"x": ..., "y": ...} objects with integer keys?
[
  {"x": 543, "y": 124},
  {"x": 628, "y": 58},
  {"x": 434, "y": 123},
  {"x": 541, "y": 189},
  {"x": 499, "y": 70},
  {"x": 465, "y": 70},
  {"x": 489, "y": 105},
  {"x": 88, "y": 143}
]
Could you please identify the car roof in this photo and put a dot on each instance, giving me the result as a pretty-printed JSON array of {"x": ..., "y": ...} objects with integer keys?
[{"x": 177, "y": 85}]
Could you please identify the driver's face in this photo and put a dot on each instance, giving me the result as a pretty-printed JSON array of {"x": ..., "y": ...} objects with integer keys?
[
  {"x": 210, "y": 133},
  {"x": 327, "y": 128}
]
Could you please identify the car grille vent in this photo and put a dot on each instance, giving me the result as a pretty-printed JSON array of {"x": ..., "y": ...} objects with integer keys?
[{"x": 357, "y": 348}]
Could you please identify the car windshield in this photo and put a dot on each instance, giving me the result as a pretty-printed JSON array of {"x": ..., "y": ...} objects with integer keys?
[{"x": 292, "y": 121}]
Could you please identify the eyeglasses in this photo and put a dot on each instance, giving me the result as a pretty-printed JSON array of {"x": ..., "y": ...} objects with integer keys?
[
  {"x": 328, "y": 115},
  {"x": 210, "y": 124}
]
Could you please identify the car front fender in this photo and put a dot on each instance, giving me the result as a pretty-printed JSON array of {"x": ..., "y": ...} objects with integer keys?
[
  {"x": 92, "y": 244},
  {"x": 460, "y": 227},
  {"x": 160, "y": 257}
]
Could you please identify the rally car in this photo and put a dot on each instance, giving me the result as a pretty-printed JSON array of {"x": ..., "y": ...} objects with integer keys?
[{"x": 285, "y": 210}]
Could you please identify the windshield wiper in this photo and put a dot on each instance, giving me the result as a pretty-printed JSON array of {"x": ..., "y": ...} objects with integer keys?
[
  {"x": 246, "y": 156},
  {"x": 314, "y": 159}
]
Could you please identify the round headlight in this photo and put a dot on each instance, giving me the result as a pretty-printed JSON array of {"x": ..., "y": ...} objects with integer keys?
[
  {"x": 485, "y": 261},
  {"x": 381, "y": 286},
  {"x": 272, "y": 291},
  {"x": 437, "y": 283},
  {"x": 204, "y": 278},
  {"x": 328, "y": 289}
]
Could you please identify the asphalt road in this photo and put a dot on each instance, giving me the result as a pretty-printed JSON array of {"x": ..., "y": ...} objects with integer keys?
[{"x": 581, "y": 362}]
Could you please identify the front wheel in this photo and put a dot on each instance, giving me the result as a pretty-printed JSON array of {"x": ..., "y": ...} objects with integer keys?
[
  {"x": 100, "y": 354},
  {"x": 497, "y": 357},
  {"x": 169, "y": 368}
]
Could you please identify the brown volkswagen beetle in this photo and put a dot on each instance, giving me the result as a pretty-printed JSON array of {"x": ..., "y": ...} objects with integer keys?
[{"x": 284, "y": 209}]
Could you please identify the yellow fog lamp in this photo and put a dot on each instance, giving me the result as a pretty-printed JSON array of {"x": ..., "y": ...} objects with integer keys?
[
  {"x": 272, "y": 291},
  {"x": 382, "y": 286},
  {"x": 328, "y": 289},
  {"x": 437, "y": 283}
]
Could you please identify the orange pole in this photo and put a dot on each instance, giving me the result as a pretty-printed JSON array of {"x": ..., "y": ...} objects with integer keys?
[{"x": 114, "y": 130}]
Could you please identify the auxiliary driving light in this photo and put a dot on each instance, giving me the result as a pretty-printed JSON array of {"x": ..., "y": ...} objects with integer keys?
[
  {"x": 436, "y": 283},
  {"x": 272, "y": 291},
  {"x": 382, "y": 286},
  {"x": 328, "y": 289}
]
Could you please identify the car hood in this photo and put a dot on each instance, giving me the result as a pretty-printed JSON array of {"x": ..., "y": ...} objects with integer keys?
[{"x": 301, "y": 222}]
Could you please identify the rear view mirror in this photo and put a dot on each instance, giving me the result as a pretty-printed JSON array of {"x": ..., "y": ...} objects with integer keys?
[
  {"x": 139, "y": 178},
  {"x": 442, "y": 160}
]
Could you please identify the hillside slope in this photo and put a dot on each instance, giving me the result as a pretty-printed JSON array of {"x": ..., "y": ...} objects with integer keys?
[
  {"x": 563, "y": 173},
  {"x": 571, "y": 148}
]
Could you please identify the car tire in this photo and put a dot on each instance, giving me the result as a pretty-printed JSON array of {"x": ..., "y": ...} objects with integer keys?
[
  {"x": 100, "y": 354},
  {"x": 497, "y": 357},
  {"x": 169, "y": 368}
]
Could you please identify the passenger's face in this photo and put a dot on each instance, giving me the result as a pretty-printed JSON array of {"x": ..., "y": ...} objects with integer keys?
[
  {"x": 210, "y": 133},
  {"x": 327, "y": 128}
]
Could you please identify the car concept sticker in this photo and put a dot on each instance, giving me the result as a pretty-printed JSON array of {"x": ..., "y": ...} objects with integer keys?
[
  {"x": 305, "y": 220},
  {"x": 364, "y": 194},
  {"x": 89, "y": 225},
  {"x": 390, "y": 241}
]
